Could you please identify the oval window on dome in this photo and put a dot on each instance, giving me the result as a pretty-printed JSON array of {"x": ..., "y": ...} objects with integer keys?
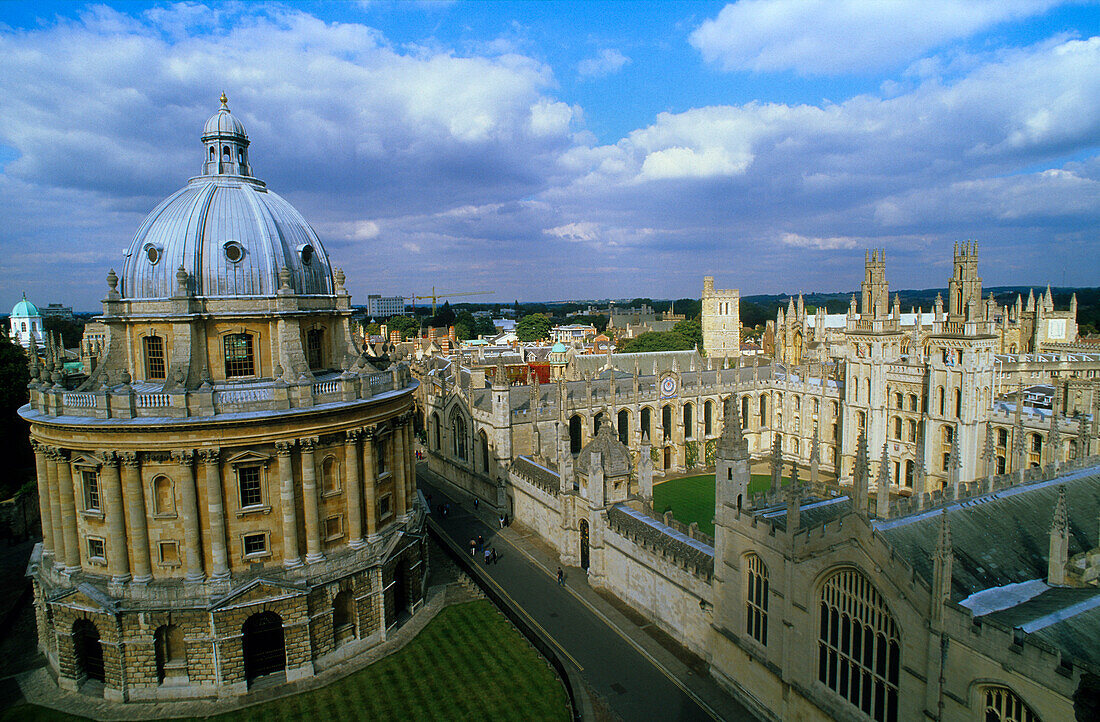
[
  {"x": 234, "y": 251},
  {"x": 152, "y": 252},
  {"x": 307, "y": 254}
]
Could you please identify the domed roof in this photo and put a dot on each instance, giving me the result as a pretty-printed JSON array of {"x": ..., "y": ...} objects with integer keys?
[
  {"x": 223, "y": 122},
  {"x": 614, "y": 456},
  {"x": 558, "y": 347},
  {"x": 25, "y": 309},
  {"x": 228, "y": 231}
]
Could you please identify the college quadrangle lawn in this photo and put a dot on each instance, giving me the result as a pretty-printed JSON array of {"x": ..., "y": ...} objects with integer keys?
[
  {"x": 468, "y": 663},
  {"x": 691, "y": 498}
]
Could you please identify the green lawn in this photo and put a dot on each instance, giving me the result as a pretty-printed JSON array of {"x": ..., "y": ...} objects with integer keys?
[
  {"x": 469, "y": 663},
  {"x": 691, "y": 498}
]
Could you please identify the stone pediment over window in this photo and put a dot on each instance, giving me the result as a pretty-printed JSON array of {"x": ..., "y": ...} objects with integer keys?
[
  {"x": 259, "y": 590},
  {"x": 86, "y": 460},
  {"x": 248, "y": 457},
  {"x": 88, "y": 598}
]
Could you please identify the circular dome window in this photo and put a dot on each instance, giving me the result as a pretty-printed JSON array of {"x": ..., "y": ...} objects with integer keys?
[
  {"x": 307, "y": 254},
  {"x": 234, "y": 251},
  {"x": 152, "y": 253}
]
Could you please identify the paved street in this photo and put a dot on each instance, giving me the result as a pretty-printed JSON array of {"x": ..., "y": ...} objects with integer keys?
[{"x": 602, "y": 642}]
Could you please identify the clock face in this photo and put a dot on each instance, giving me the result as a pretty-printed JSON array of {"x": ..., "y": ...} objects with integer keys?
[{"x": 668, "y": 387}]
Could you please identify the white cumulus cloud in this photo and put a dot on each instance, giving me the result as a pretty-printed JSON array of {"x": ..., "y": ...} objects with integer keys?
[{"x": 607, "y": 62}]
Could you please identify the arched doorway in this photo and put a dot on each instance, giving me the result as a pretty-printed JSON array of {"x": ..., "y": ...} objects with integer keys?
[
  {"x": 668, "y": 458},
  {"x": 88, "y": 649},
  {"x": 168, "y": 646},
  {"x": 264, "y": 645},
  {"x": 584, "y": 544},
  {"x": 343, "y": 618}
]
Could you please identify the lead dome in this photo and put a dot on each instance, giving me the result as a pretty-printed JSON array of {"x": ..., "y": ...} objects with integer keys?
[{"x": 230, "y": 233}]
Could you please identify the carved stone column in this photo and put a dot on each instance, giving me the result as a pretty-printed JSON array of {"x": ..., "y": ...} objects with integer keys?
[
  {"x": 354, "y": 484},
  {"x": 397, "y": 456},
  {"x": 215, "y": 504},
  {"x": 41, "y": 466},
  {"x": 291, "y": 559},
  {"x": 410, "y": 463},
  {"x": 370, "y": 483},
  {"x": 191, "y": 525},
  {"x": 68, "y": 511},
  {"x": 309, "y": 501},
  {"x": 135, "y": 505},
  {"x": 55, "y": 505},
  {"x": 118, "y": 556}
]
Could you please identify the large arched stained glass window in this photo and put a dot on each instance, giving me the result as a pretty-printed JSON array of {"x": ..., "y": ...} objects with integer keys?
[
  {"x": 858, "y": 645},
  {"x": 756, "y": 599},
  {"x": 1000, "y": 704}
]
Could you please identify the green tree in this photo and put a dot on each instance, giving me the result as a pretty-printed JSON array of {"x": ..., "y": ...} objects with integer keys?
[
  {"x": 691, "y": 330},
  {"x": 14, "y": 377},
  {"x": 533, "y": 327},
  {"x": 406, "y": 325},
  {"x": 445, "y": 317},
  {"x": 71, "y": 330},
  {"x": 484, "y": 327},
  {"x": 656, "y": 341}
]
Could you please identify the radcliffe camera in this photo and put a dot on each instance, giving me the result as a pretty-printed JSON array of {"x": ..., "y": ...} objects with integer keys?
[{"x": 550, "y": 361}]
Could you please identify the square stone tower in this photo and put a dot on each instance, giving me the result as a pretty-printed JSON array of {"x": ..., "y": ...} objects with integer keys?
[{"x": 721, "y": 320}]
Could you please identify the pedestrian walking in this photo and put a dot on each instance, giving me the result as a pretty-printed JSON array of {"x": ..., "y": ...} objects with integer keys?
[
  {"x": 495, "y": 557},
  {"x": 473, "y": 547},
  {"x": 488, "y": 556},
  {"x": 561, "y": 577},
  {"x": 501, "y": 521},
  {"x": 475, "y": 503},
  {"x": 480, "y": 541}
]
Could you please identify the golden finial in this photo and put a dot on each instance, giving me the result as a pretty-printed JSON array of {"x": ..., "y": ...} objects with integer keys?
[{"x": 224, "y": 99}]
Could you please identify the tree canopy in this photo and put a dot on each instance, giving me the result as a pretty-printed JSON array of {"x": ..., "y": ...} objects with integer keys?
[
  {"x": 407, "y": 325},
  {"x": 656, "y": 341},
  {"x": 533, "y": 327},
  {"x": 691, "y": 330}
]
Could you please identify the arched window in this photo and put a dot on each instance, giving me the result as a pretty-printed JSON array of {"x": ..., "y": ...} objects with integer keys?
[
  {"x": 689, "y": 421},
  {"x": 154, "y": 358},
  {"x": 169, "y": 650},
  {"x": 436, "y": 431},
  {"x": 909, "y": 473},
  {"x": 458, "y": 433},
  {"x": 597, "y": 422},
  {"x": 897, "y": 427},
  {"x": 958, "y": 403},
  {"x": 898, "y": 399},
  {"x": 343, "y": 618},
  {"x": 575, "y": 423},
  {"x": 1036, "y": 443},
  {"x": 1000, "y": 704},
  {"x": 226, "y": 153},
  {"x": 912, "y": 430},
  {"x": 624, "y": 427},
  {"x": 858, "y": 645},
  {"x": 708, "y": 418},
  {"x": 330, "y": 475},
  {"x": 1002, "y": 437},
  {"x": 646, "y": 422},
  {"x": 164, "y": 498},
  {"x": 861, "y": 420},
  {"x": 1000, "y": 464},
  {"x": 763, "y": 411},
  {"x": 666, "y": 422},
  {"x": 213, "y": 153},
  {"x": 939, "y": 392},
  {"x": 24, "y": 327},
  {"x": 239, "y": 360},
  {"x": 797, "y": 404},
  {"x": 756, "y": 599},
  {"x": 912, "y": 402},
  {"x": 484, "y": 439},
  {"x": 744, "y": 412},
  {"x": 315, "y": 349},
  {"x": 89, "y": 650}
]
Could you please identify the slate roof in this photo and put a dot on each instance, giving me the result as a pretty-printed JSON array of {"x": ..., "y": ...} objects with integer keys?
[
  {"x": 1001, "y": 538},
  {"x": 542, "y": 477},
  {"x": 1068, "y": 619},
  {"x": 615, "y": 457}
]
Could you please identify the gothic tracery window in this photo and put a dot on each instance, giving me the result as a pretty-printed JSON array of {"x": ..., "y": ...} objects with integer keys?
[
  {"x": 1000, "y": 704},
  {"x": 859, "y": 647},
  {"x": 756, "y": 599}
]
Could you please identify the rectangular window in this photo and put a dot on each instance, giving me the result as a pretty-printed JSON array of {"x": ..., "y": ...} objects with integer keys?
[
  {"x": 384, "y": 507},
  {"x": 334, "y": 528},
  {"x": 255, "y": 544},
  {"x": 380, "y": 455},
  {"x": 154, "y": 358},
  {"x": 91, "y": 490},
  {"x": 96, "y": 550},
  {"x": 239, "y": 360},
  {"x": 169, "y": 553},
  {"x": 314, "y": 353},
  {"x": 248, "y": 478}
]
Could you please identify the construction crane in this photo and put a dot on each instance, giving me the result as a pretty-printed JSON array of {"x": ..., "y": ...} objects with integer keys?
[{"x": 436, "y": 296}]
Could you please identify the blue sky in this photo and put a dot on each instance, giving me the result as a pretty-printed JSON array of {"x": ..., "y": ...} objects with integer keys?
[{"x": 548, "y": 150}]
